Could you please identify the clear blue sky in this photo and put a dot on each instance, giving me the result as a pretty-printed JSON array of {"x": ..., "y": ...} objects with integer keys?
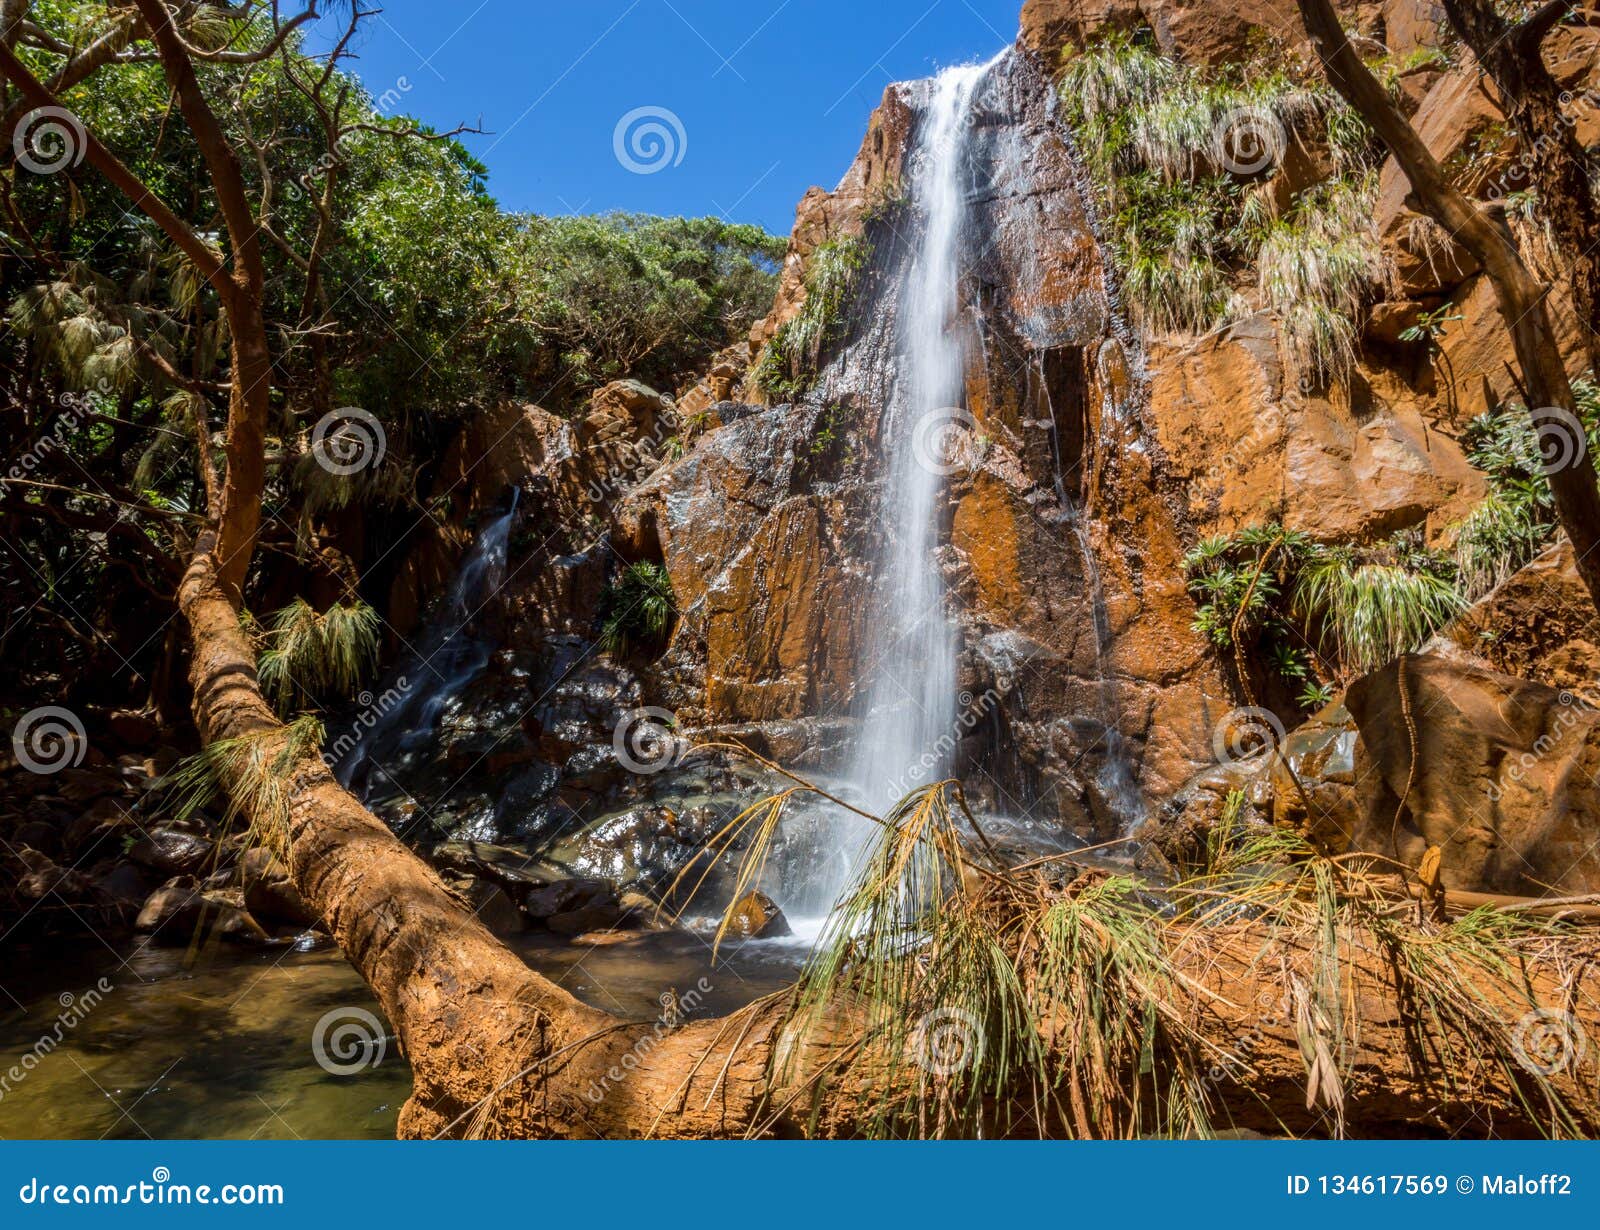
[{"x": 771, "y": 96}]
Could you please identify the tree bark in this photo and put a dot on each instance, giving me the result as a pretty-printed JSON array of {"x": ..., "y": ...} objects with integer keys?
[
  {"x": 1520, "y": 296},
  {"x": 239, "y": 519},
  {"x": 1553, "y": 159}
]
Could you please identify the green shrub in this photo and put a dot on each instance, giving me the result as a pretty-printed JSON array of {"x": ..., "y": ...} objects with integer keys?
[
  {"x": 1517, "y": 519},
  {"x": 638, "y": 611},
  {"x": 1313, "y": 610}
]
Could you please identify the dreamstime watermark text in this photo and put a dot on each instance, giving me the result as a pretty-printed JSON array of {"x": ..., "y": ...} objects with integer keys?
[{"x": 158, "y": 1189}]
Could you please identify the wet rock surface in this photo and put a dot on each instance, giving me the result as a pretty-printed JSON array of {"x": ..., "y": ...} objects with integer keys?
[
  {"x": 1063, "y": 540},
  {"x": 1502, "y": 780},
  {"x": 756, "y": 916}
]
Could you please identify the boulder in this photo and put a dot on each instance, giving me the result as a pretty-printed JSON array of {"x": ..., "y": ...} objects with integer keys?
[
  {"x": 571, "y": 907},
  {"x": 40, "y": 835},
  {"x": 1355, "y": 463},
  {"x": 125, "y": 887},
  {"x": 269, "y": 894},
  {"x": 756, "y": 916},
  {"x": 179, "y": 913},
  {"x": 696, "y": 405},
  {"x": 41, "y": 877},
  {"x": 1179, "y": 836},
  {"x": 170, "y": 851},
  {"x": 1505, "y": 778},
  {"x": 642, "y": 913},
  {"x": 513, "y": 870},
  {"x": 133, "y": 728},
  {"x": 597, "y": 916},
  {"x": 104, "y": 827},
  {"x": 488, "y": 902},
  {"x": 623, "y": 412},
  {"x": 1313, "y": 784},
  {"x": 87, "y": 784}
]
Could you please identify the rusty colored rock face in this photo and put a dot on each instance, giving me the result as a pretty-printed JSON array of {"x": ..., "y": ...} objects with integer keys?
[
  {"x": 1059, "y": 534},
  {"x": 1198, "y": 31},
  {"x": 1504, "y": 781}
]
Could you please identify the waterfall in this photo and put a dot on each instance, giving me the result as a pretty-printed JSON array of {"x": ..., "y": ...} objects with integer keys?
[
  {"x": 451, "y": 654},
  {"x": 911, "y": 362},
  {"x": 910, "y": 676}
]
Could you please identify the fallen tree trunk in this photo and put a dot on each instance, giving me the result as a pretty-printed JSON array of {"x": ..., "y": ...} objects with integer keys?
[{"x": 498, "y": 1050}]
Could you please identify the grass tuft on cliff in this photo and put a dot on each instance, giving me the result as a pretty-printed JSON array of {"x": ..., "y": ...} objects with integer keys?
[
  {"x": 789, "y": 364},
  {"x": 638, "y": 611},
  {"x": 1180, "y": 155},
  {"x": 1318, "y": 615},
  {"x": 1517, "y": 520},
  {"x": 1371, "y": 613}
]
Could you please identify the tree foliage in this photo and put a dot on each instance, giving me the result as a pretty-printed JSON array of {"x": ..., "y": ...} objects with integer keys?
[{"x": 393, "y": 282}]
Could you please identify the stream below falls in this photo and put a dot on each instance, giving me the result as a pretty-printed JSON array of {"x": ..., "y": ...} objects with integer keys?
[{"x": 222, "y": 1043}]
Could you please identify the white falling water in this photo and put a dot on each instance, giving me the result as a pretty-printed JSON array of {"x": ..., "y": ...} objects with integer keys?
[
  {"x": 452, "y": 654},
  {"x": 908, "y": 676}
]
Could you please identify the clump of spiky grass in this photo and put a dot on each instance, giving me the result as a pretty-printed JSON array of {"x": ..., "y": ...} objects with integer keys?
[
  {"x": 1104, "y": 85},
  {"x": 1314, "y": 267},
  {"x": 1154, "y": 134},
  {"x": 252, "y": 772},
  {"x": 1462, "y": 985},
  {"x": 1281, "y": 592},
  {"x": 323, "y": 490},
  {"x": 1370, "y": 614},
  {"x": 637, "y": 611},
  {"x": 1535, "y": 234},
  {"x": 1430, "y": 243},
  {"x": 988, "y": 1002},
  {"x": 982, "y": 999},
  {"x": 1498, "y": 537},
  {"x": 1517, "y": 519},
  {"x": 310, "y": 654},
  {"x": 939, "y": 993},
  {"x": 1173, "y": 251}
]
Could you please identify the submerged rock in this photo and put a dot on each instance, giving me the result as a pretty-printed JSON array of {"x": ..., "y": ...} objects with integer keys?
[{"x": 571, "y": 907}]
